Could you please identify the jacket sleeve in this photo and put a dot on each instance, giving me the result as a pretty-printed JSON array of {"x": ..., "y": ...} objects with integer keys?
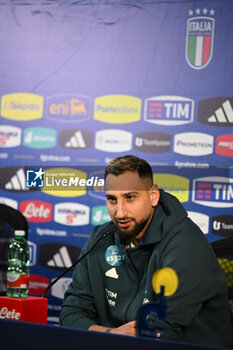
[
  {"x": 201, "y": 283},
  {"x": 78, "y": 308}
]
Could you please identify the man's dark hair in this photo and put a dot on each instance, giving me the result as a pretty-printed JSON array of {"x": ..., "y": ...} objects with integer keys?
[{"x": 120, "y": 165}]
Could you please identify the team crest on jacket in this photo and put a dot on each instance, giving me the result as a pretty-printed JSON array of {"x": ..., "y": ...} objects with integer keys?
[{"x": 199, "y": 38}]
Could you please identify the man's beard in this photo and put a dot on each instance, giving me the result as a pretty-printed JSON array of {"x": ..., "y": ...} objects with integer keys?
[{"x": 127, "y": 236}]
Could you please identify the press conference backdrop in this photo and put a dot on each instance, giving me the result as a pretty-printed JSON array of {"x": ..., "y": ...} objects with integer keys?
[{"x": 82, "y": 82}]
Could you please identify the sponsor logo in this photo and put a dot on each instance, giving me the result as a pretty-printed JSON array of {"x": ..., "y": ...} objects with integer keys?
[
  {"x": 193, "y": 144},
  {"x": 58, "y": 256},
  {"x": 32, "y": 252},
  {"x": 14, "y": 179},
  {"x": 176, "y": 185},
  {"x": 145, "y": 301},
  {"x": 10, "y": 136},
  {"x": 75, "y": 139},
  {"x": 112, "y": 273},
  {"x": 213, "y": 191},
  {"x": 9, "y": 314},
  {"x": 224, "y": 145},
  {"x": 186, "y": 164},
  {"x": 37, "y": 284},
  {"x": 36, "y": 211},
  {"x": 10, "y": 202},
  {"x": 169, "y": 110},
  {"x": 71, "y": 214},
  {"x": 152, "y": 142},
  {"x": 22, "y": 106},
  {"x": 49, "y": 232},
  {"x": 222, "y": 225},
  {"x": 201, "y": 220},
  {"x": 68, "y": 108},
  {"x": 113, "y": 140},
  {"x": 111, "y": 297},
  {"x": 199, "y": 38},
  {"x": 39, "y": 137},
  {"x": 35, "y": 178},
  {"x": 59, "y": 288},
  {"x": 114, "y": 256},
  {"x": 54, "y": 158},
  {"x": 117, "y": 109},
  {"x": 99, "y": 215},
  {"x": 216, "y": 111}
]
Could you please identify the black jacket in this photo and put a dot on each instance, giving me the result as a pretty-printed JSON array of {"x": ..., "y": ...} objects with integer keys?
[{"x": 113, "y": 282}]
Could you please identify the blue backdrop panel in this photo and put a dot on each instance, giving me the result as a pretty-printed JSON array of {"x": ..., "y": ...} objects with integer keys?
[{"x": 83, "y": 82}]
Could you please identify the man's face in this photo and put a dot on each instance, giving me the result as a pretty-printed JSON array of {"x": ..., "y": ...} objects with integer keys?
[{"x": 130, "y": 200}]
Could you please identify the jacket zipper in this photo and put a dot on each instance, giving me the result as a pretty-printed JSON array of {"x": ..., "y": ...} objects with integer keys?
[{"x": 138, "y": 283}]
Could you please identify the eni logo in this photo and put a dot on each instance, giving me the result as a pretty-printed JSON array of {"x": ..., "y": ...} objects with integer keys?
[
  {"x": 72, "y": 107},
  {"x": 22, "y": 106},
  {"x": 68, "y": 108},
  {"x": 117, "y": 109}
]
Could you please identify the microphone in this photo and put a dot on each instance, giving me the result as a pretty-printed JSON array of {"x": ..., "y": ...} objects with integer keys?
[{"x": 110, "y": 231}]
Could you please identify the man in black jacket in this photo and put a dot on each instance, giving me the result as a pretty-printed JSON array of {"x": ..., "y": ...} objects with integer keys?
[{"x": 152, "y": 232}]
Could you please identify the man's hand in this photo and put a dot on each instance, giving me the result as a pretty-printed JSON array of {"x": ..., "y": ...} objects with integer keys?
[{"x": 126, "y": 329}]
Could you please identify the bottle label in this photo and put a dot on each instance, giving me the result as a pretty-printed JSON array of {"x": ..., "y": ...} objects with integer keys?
[{"x": 17, "y": 280}]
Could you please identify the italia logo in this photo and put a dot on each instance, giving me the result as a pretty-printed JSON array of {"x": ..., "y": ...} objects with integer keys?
[
  {"x": 199, "y": 38},
  {"x": 216, "y": 191}
]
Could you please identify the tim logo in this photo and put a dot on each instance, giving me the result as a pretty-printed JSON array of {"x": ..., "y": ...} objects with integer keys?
[
  {"x": 169, "y": 110},
  {"x": 35, "y": 178},
  {"x": 213, "y": 192},
  {"x": 199, "y": 38},
  {"x": 68, "y": 108}
]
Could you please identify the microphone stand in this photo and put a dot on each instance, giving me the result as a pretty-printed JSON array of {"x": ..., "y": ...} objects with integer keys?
[{"x": 111, "y": 230}]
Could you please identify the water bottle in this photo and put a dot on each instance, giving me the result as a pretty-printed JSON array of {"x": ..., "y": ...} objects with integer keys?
[{"x": 18, "y": 270}]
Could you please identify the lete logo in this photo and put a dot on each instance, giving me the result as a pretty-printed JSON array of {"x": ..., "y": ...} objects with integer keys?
[
  {"x": 10, "y": 315},
  {"x": 36, "y": 211}
]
